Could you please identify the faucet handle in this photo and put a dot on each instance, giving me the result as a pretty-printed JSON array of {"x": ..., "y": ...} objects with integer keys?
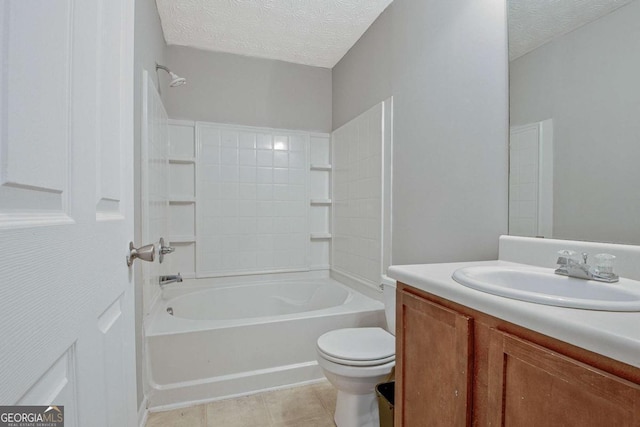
[
  {"x": 585, "y": 256},
  {"x": 566, "y": 256}
]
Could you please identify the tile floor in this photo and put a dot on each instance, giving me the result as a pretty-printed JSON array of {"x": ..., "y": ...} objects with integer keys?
[{"x": 307, "y": 406}]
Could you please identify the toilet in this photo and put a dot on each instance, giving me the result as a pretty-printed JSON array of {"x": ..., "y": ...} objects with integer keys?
[{"x": 354, "y": 360}]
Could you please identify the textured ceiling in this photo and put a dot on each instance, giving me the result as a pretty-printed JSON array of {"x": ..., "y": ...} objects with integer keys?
[
  {"x": 311, "y": 32},
  {"x": 533, "y": 23},
  {"x": 320, "y": 32}
]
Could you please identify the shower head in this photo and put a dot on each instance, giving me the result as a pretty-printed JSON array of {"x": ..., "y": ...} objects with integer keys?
[{"x": 176, "y": 80}]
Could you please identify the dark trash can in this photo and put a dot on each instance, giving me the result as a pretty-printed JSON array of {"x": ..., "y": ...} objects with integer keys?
[{"x": 385, "y": 393}]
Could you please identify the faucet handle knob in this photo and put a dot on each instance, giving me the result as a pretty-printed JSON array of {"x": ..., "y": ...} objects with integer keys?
[
  {"x": 164, "y": 250},
  {"x": 585, "y": 256},
  {"x": 566, "y": 256}
]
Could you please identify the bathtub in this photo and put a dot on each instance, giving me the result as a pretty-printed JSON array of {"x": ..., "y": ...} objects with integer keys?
[{"x": 230, "y": 340}]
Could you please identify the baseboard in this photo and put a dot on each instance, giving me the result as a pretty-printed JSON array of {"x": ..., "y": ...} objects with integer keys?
[
  {"x": 143, "y": 412},
  {"x": 180, "y": 395}
]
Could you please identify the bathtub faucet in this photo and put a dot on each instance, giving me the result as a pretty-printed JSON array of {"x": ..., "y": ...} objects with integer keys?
[{"x": 165, "y": 280}]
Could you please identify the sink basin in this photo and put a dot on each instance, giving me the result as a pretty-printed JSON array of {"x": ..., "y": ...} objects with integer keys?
[{"x": 540, "y": 285}]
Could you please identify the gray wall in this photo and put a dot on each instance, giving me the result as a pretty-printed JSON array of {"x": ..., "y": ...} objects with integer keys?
[
  {"x": 149, "y": 48},
  {"x": 362, "y": 78},
  {"x": 448, "y": 76},
  {"x": 587, "y": 82},
  {"x": 227, "y": 88}
]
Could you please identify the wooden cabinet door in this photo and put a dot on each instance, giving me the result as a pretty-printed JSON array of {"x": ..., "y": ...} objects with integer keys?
[
  {"x": 434, "y": 365},
  {"x": 530, "y": 385}
]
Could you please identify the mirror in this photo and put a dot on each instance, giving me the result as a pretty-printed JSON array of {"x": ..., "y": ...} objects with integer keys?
[{"x": 575, "y": 119}]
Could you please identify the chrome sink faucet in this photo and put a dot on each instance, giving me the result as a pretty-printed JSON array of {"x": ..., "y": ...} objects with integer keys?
[
  {"x": 570, "y": 265},
  {"x": 165, "y": 280}
]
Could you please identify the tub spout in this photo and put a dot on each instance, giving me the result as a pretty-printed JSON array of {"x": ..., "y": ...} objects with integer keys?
[{"x": 165, "y": 280}]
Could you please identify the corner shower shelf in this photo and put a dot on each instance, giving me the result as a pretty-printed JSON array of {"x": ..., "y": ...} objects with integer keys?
[
  {"x": 181, "y": 200},
  {"x": 182, "y": 239},
  {"x": 182, "y": 160},
  {"x": 320, "y": 236},
  {"x": 321, "y": 167},
  {"x": 321, "y": 201}
]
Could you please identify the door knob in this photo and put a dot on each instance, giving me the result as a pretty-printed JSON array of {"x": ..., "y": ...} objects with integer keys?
[
  {"x": 164, "y": 250},
  {"x": 145, "y": 253}
]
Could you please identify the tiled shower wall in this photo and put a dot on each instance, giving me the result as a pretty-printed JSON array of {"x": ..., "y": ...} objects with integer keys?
[
  {"x": 240, "y": 200},
  {"x": 361, "y": 210},
  {"x": 155, "y": 201}
]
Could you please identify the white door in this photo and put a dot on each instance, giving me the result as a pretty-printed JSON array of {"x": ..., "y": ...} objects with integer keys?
[
  {"x": 531, "y": 179},
  {"x": 66, "y": 200}
]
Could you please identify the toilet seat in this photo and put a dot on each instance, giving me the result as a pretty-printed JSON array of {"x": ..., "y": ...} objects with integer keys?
[{"x": 357, "y": 346}]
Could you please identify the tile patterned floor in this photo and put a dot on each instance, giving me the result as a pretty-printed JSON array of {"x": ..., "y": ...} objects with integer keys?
[{"x": 307, "y": 406}]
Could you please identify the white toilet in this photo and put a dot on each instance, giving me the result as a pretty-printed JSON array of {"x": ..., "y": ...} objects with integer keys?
[{"x": 354, "y": 360}]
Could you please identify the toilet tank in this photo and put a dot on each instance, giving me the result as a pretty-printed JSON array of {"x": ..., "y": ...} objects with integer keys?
[{"x": 389, "y": 299}]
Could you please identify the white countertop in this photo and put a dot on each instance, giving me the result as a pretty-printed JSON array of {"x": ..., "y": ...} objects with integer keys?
[{"x": 612, "y": 334}]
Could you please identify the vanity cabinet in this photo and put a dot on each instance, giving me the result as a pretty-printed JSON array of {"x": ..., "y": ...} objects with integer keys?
[{"x": 458, "y": 367}]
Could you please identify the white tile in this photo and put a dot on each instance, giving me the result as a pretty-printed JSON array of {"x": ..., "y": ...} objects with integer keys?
[
  {"x": 264, "y": 192},
  {"x": 266, "y": 208},
  {"x": 229, "y": 174},
  {"x": 229, "y": 139},
  {"x": 264, "y": 142},
  {"x": 229, "y": 191},
  {"x": 264, "y": 260},
  {"x": 247, "y": 192},
  {"x": 209, "y": 136},
  {"x": 297, "y": 143},
  {"x": 229, "y": 261},
  {"x": 264, "y": 175},
  {"x": 280, "y": 192},
  {"x": 182, "y": 220},
  {"x": 281, "y": 225},
  {"x": 247, "y": 225},
  {"x": 247, "y": 157},
  {"x": 183, "y": 259},
  {"x": 297, "y": 176},
  {"x": 280, "y": 142},
  {"x": 264, "y": 225},
  {"x": 281, "y": 159},
  {"x": 265, "y": 158},
  {"x": 229, "y": 209},
  {"x": 247, "y": 208},
  {"x": 280, "y": 175},
  {"x": 228, "y": 156},
  {"x": 210, "y": 172},
  {"x": 228, "y": 225},
  {"x": 297, "y": 160},
  {"x": 182, "y": 180},
  {"x": 247, "y": 174},
  {"x": 181, "y": 141},
  {"x": 230, "y": 243},
  {"x": 247, "y": 140}
]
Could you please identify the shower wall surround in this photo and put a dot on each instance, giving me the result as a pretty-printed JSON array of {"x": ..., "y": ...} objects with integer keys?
[
  {"x": 241, "y": 202},
  {"x": 155, "y": 184},
  {"x": 361, "y": 191}
]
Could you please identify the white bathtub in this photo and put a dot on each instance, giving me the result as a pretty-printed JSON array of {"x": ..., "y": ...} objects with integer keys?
[{"x": 230, "y": 340}]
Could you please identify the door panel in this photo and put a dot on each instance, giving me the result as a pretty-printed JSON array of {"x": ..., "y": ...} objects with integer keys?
[
  {"x": 66, "y": 150},
  {"x": 436, "y": 364},
  {"x": 530, "y": 385}
]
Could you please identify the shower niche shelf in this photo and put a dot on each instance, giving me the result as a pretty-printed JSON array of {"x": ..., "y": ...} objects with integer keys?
[
  {"x": 321, "y": 201},
  {"x": 181, "y": 239},
  {"x": 320, "y": 236},
  {"x": 318, "y": 167},
  {"x": 178, "y": 200},
  {"x": 182, "y": 160}
]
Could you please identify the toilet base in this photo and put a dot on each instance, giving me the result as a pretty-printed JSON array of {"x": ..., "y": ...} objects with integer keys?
[{"x": 356, "y": 410}]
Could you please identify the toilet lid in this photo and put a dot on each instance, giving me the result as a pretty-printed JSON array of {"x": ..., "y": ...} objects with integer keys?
[{"x": 358, "y": 345}]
